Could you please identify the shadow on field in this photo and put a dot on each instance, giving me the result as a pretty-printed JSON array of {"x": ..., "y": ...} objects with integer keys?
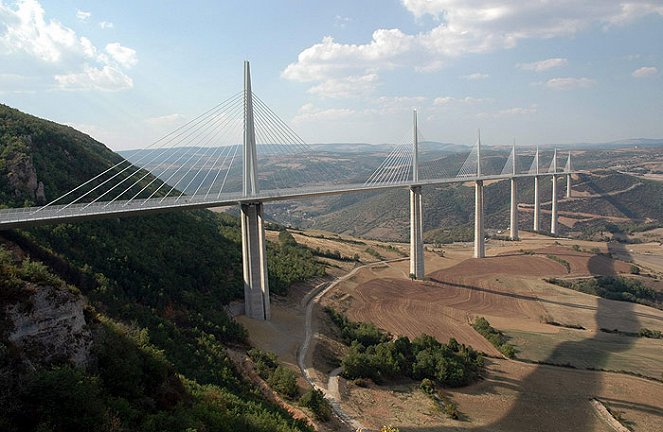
[{"x": 544, "y": 402}]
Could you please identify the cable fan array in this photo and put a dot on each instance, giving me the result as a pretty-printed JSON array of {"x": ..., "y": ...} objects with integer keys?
[{"x": 204, "y": 159}]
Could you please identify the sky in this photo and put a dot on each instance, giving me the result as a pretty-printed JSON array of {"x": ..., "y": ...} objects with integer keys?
[{"x": 536, "y": 71}]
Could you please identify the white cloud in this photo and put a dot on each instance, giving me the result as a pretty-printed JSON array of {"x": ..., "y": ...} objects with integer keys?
[
  {"x": 468, "y": 100},
  {"x": 106, "y": 25},
  {"x": 56, "y": 54},
  {"x": 346, "y": 87},
  {"x": 569, "y": 83},
  {"x": 341, "y": 21},
  {"x": 106, "y": 78},
  {"x": 165, "y": 120},
  {"x": 475, "y": 76},
  {"x": 83, "y": 16},
  {"x": 645, "y": 72},
  {"x": 123, "y": 55},
  {"x": 465, "y": 27},
  {"x": 509, "y": 112},
  {"x": 543, "y": 65},
  {"x": 310, "y": 113}
]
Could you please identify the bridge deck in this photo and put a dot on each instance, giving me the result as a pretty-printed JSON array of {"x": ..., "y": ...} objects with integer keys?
[{"x": 31, "y": 216}]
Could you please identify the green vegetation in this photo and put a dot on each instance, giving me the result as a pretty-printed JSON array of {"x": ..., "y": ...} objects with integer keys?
[
  {"x": 168, "y": 275},
  {"x": 562, "y": 261},
  {"x": 288, "y": 263},
  {"x": 374, "y": 355},
  {"x": 364, "y": 333},
  {"x": 644, "y": 333},
  {"x": 376, "y": 254},
  {"x": 314, "y": 400},
  {"x": 495, "y": 337},
  {"x": 615, "y": 288},
  {"x": 129, "y": 385},
  {"x": 280, "y": 378}
]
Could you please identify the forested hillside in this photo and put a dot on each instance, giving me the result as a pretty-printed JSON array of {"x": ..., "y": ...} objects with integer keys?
[{"x": 155, "y": 288}]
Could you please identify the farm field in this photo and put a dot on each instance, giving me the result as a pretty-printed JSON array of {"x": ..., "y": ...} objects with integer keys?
[{"x": 508, "y": 289}]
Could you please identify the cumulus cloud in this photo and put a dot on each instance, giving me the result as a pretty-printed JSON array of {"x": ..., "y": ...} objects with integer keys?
[
  {"x": 346, "y": 87},
  {"x": 122, "y": 55},
  {"x": 645, "y": 72},
  {"x": 106, "y": 78},
  {"x": 544, "y": 65},
  {"x": 570, "y": 83},
  {"x": 465, "y": 27},
  {"x": 106, "y": 25},
  {"x": 72, "y": 61}
]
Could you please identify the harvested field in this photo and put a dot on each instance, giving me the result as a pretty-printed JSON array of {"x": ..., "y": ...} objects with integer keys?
[
  {"x": 597, "y": 350},
  {"x": 405, "y": 308},
  {"x": 517, "y": 397}
]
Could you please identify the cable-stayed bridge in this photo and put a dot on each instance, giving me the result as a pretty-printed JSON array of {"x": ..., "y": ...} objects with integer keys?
[{"x": 201, "y": 165}]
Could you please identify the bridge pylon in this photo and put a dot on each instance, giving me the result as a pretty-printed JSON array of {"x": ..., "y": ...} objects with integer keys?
[
  {"x": 537, "y": 201},
  {"x": 553, "y": 205},
  {"x": 568, "y": 168},
  {"x": 254, "y": 252},
  {"x": 416, "y": 214}
]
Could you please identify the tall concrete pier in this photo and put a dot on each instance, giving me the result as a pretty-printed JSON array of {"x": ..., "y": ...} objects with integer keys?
[
  {"x": 254, "y": 254},
  {"x": 416, "y": 234},
  {"x": 568, "y": 169},
  {"x": 513, "y": 219},
  {"x": 479, "y": 240},
  {"x": 254, "y": 262},
  {"x": 416, "y": 214},
  {"x": 537, "y": 202},
  {"x": 553, "y": 205}
]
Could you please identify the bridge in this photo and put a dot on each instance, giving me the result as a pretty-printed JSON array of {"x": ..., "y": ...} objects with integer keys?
[{"x": 203, "y": 176}]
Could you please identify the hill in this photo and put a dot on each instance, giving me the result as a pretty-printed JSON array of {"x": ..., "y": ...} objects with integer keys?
[{"x": 147, "y": 293}]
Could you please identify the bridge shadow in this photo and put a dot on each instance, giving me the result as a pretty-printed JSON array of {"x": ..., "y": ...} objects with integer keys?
[{"x": 550, "y": 397}]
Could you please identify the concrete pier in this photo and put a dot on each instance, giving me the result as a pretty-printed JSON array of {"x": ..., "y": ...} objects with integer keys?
[
  {"x": 553, "y": 207},
  {"x": 537, "y": 204},
  {"x": 513, "y": 220},
  {"x": 568, "y": 185},
  {"x": 254, "y": 262},
  {"x": 479, "y": 242},
  {"x": 416, "y": 234}
]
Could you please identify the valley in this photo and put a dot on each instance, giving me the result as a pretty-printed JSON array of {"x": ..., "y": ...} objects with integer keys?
[{"x": 564, "y": 359}]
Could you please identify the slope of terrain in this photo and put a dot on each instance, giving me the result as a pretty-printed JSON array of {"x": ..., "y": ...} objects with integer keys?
[{"x": 166, "y": 277}]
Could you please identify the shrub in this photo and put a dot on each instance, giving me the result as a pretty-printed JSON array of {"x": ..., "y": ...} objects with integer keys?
[
  {"x": 427, "y": 386},
  {"x": 284, "y": 381},
  {"x": 314, "y": 400}
]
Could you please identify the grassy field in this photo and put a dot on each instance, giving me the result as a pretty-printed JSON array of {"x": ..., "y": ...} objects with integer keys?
[{"x": 584, "y": 350}]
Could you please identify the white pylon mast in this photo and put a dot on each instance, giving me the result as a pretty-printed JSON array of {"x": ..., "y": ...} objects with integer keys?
[
  {"x": 478, "y": 152},
  {"x": 250, "y": 155},
  {"x": 513, "y": 154},
  {"x": 415, "y": 149}
]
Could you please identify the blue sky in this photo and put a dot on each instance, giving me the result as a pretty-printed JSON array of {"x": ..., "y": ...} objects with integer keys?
[{"x": 343, "y": 71}]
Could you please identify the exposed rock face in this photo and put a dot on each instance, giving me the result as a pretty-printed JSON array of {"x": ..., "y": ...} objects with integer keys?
[
  {"x": 50, "y": 326},
  {"x": 23, "y": 177}
]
